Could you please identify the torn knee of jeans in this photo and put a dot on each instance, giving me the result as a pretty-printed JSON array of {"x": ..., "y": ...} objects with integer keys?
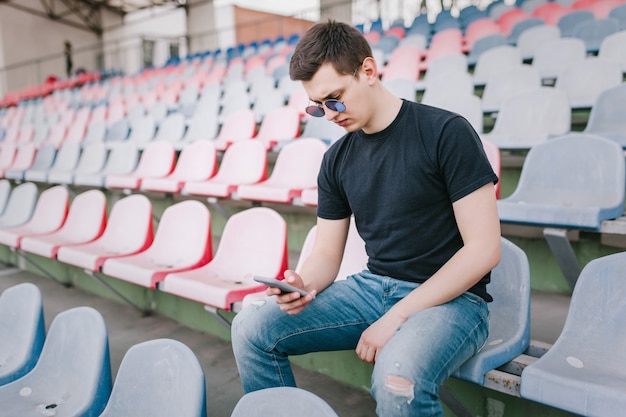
[{"x": 400, "y": 386}]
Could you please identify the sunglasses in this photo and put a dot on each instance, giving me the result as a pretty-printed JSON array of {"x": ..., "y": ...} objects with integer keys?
[{"x": 317, "y": 110}]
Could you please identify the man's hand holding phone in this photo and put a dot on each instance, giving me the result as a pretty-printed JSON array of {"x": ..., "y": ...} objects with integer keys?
[{"x": 290, "y": 293}]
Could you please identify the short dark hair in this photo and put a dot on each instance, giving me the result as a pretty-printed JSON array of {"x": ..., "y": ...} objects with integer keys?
[{"x": 338, "y": 43}]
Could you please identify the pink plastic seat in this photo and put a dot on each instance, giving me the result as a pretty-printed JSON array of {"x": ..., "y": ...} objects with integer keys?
[
  {"x": 197, "y": 162},
  {"x": 278, "y": 125},
  {"x": 182, "y": 241},
  {"x": 8, "y": 151},
  {"x": 254, "y": 242},
  {"x": 156, "y": 161},
  {"x": 85, "y": 222},
  {"x": 49, "y": 215},
  {"x": 296, "y": 168},
  {"x": 244, "y": 162},
  {"x": 309, "y": 197},
  {"x": 239, "y": 125},
  {"x": 128, "y": 231}
]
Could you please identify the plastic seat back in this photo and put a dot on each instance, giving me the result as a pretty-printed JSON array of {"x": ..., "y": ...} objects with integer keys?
[
  {"x": 606, "y": 117},
  {"x": 20, "y": 206},
  {"x": 160, "y": 377},
  {"x": 502, "y": 86},
  {"x": 585, "y": 81},
  {"x": 531, "y": 39},
  {"x": 509, "y": 315},
  {"x": 142, "y": 130},
  {"x": 272, "y": 401},
  {"x": 171, "y": 128},
  {"x": 92, "y": 159},
  {"x": 319, "y": 127},
  {"x": 73, "y": 374},
  {"x": 555, "y": 56},
  {"x": 278, "y": 125},
  {"x": 44, "y": 158},
  {"x": 612, "y": 48},
  {"x": 5, "y": 192},
  {"x": 577, "y": 180},
  {"x": 585, "y": 370},
  {"x": 593, "y": 32},
  {"x": 22, "y": 330},
  {"x": 567, "y": 23},
  {"x": 495, "y": 61}
]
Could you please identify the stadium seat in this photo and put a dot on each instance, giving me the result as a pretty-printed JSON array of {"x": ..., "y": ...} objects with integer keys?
[
  {"x": 44, "y": 158},
  {"x": 65, "y": 161},
  {"x": 128, "y": 231},
  {"x": 24, "y": 158},
  {"x": 157, "y": 161},
  {"x": 593, "y": 32},
  {"x": 612, "y": 48},
  {"x": 606, "y": 118},
  {"x": 182, "y": 242},
  {"x": 5, "y": 192},
  {"x": 584, "y": 81},
  {"x": 619, "y": 13},
  {"x": 507, "y": 84},
  {"x": 555, "y": 56},
  {"x": 244, "y": 162},
  {"x": 171, "y": 128},
  {"x": 116, "y": 132},
  {"x": 271, "y": 401},
  {"x": 73, "y": 374},
  {"x": 448, "y": 86},
  {"x": 567, "y": 23},
  {"x": 296, "y": 168},
  {"x": 254, "y": 242},
  {"x": 399, "y": 87},
  {"x": 530, "y": 118},
  {"x": 329, "y": 132},
  {"x": 196, "y": 162},
  {"x": 20, "y": 205},
  {"x": 509, "y": 315},
  {"x": 573, "y": 181},
  {"x": 495, "y": 61},
  {"x": 239, "y": 125},
  {"x": 91, "y": 160},
  {"x": 484, "y": 44},
  {"x": 48, "y": 216},
  {"x": 531, "y": 39},
  {"x": 121, "y": 161},
  {"x": 450, "y": 63},
  {"x": 22, "y": 330},
  {"x": 309, "y": 197},
  {"x": 584, "y": 372},
  {"x": 522, "y": 25},
  {"x": 160, "y": 377},
  {"x": 279, "y": 126},
  {"x": 199, "y": 127},
  {"x": 96, "y": 132},
  {"x": 7, "y": 155},
  {"x": 86, "y": 220}
]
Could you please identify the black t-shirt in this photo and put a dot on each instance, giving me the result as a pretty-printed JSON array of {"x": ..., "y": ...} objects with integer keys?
[{"x": 400, "y": 184}]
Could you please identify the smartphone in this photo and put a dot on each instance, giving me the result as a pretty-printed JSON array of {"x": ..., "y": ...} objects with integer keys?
[{"x": 282, "y": 285}]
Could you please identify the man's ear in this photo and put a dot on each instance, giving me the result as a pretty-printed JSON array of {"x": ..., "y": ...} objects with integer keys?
[{"x": 370, "y": 70}]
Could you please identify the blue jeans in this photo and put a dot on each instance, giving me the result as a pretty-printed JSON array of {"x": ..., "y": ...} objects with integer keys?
[{"x": 422, "y": 354}]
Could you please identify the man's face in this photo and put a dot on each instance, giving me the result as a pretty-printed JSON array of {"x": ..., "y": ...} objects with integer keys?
[{"x": 327, "y": 84}]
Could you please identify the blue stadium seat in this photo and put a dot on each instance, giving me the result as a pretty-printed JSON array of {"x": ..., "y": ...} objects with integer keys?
[
  {"x": 509, "y": 315},
  {"x": 20, "y": 206},
  {"x": 584, "y": 372},
  {"x": 22, "y": 330},
  {"x": 73, "y": 374},
  {"x": 272, "y": 402},
  {"x": 568, "y": 22},
  {"x": 158, "y": 378},
  {"x": 593, "y": 32},
  {"x": 606, "y": 118}
]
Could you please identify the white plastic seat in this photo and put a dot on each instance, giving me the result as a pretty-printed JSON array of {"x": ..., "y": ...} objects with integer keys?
[
  {"x": 22, "y": 330},
  {"x": 5, "y": 192},
  {"x": 196, "y": 162},
  {"x": 531, "y": 39},
  {"x": 320, "y": 128},
  {"x": 296, "y": 168},
  {"x": 577, "y": 181},
  {"x": 91, "y": 160},
  {"x": 496, "y": 61},
  {"x": 121, "y": 160},
  {"x": 271, "y": 402},
  {"x": 530, "y": 118},
  {"x": 157, "y": 160},
  {"x": 65, "y": 161},
  {"x": 7, "y": 155},
  {"x": 20, "y": 206},
  {"x": 142, "y": 131},
  {"x": 509, "y": 315},
  {"x": 171, "y": 128},
  {"x": 584, "y": 81},
  {"x": 612, "y": 48},
  {"x": 24, "y": 158},
  {"x": 72, "y": 376},
  {"x": 606, "y": 118},
  {"x": 448, "y": 86},
  {"x": 555, "y": 56},
  {"x": 43, "y": 161},
  {"x": 399, "y": 87},
  {"x": 467, "y": 105},
  {"x": 128, "y": 231},
  {"x": 507, "y": 84},
  {"x": 182, "y": 241},
  {"x": 160, "y": 377},
  {"x": 584, "y": 372},
  {"x": 48, "y": 216},
  {"x": 200, "y": 127},
  {"x": 254, "y": 242},
  {"x": 85, "y": 222},
  {"x": 244, "y": 162}
]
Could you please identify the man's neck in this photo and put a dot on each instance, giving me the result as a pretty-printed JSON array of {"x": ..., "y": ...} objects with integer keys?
[{"x": 387, "y": 109}]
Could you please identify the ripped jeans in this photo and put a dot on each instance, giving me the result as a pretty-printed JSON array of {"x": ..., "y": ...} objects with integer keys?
[{"x": 425, "y": 350}]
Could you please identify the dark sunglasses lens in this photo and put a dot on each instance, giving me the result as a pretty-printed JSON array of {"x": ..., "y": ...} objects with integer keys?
[
  {"x": 335, "y": 105},
  {"x": 314, "y": 111}
]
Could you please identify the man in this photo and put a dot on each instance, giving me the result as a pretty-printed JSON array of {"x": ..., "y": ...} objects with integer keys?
[{"x": 420, "y": 187}]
